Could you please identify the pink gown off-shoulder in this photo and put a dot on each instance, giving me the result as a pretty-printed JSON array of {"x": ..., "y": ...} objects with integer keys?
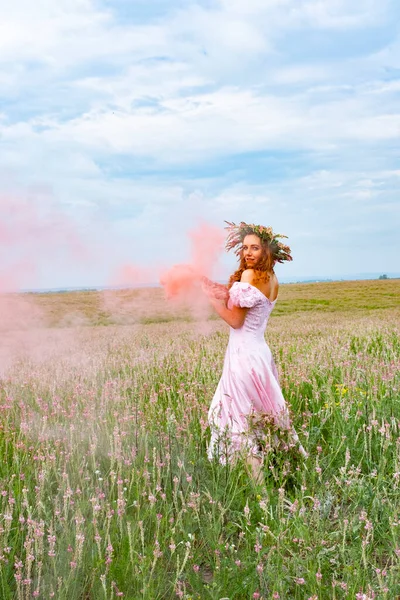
[{"x": 249, "y": 384}]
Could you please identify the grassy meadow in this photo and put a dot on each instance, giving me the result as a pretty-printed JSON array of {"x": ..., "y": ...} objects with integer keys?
[{"x": 105, "y": 487}]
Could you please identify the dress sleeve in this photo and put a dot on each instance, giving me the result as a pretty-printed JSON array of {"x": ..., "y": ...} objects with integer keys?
[{"x": 243, "y": 294}]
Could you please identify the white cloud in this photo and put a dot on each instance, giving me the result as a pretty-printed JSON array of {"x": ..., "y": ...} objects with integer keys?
[
  {"x": 339, "y": 14},
  {"x": 335, "y": 14},
  {"x": 126, "y": 121},
  {"x": 183, "y": 129},
  {"x": 39, "y": 31}
]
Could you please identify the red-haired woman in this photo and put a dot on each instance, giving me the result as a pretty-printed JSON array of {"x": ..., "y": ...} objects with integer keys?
[{"x": 248, "y": 395}]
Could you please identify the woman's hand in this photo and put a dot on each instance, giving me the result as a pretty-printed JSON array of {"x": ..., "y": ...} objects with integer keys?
[{"x": 214, "y": 290}]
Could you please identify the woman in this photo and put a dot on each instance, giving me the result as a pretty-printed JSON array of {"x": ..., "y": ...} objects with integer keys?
[{"x": 248, "y": 393}]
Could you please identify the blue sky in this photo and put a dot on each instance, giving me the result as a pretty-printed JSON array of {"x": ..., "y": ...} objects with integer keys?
[{"x": 135, "y": 119}]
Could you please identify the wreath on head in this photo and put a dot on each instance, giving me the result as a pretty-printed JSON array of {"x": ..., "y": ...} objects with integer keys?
[{"x": 236, "y": 234}]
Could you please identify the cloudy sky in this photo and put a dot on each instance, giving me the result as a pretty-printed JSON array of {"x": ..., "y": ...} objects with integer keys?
[{"x": 125, "y": 122}]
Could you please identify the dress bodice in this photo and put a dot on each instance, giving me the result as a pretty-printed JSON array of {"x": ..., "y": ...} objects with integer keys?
[{"x": 260, "y": 307}]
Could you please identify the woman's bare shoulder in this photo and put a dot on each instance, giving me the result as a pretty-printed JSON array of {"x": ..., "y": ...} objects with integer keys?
[{"x": 247, "y": 276}]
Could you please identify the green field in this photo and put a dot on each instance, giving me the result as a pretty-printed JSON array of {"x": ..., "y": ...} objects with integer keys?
[
  {"x": 148, "y": 305},
  {"x": 105, "y": 488}
]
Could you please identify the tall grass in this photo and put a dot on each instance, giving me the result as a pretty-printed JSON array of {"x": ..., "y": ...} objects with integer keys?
[{"x": 106, "y": 492}]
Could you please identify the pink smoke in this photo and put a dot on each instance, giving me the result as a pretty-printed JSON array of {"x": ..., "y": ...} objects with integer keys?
[
  {"x": 182, "y": 282},
  {"x": 32, "y": 229},
  {"x": 131, "y": 276},
  {"x": 34, "y": 234},
  {"x": 207, "y": 246}
]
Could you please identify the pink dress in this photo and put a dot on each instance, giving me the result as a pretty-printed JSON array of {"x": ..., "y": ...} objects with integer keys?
[{"x": 249, "y": 382}]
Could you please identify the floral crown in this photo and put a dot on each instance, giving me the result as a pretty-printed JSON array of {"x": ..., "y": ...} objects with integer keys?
[{"x": 237, "y": 233}]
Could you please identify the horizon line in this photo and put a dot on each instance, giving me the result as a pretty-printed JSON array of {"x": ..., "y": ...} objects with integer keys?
[{"x": 283, "y": 281}]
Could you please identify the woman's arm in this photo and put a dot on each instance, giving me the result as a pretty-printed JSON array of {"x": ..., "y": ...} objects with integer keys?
[{"x": 234, "y": 316}]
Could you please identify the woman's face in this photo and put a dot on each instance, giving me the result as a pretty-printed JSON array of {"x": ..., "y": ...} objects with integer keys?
[{"x": 252, "y": 250}]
